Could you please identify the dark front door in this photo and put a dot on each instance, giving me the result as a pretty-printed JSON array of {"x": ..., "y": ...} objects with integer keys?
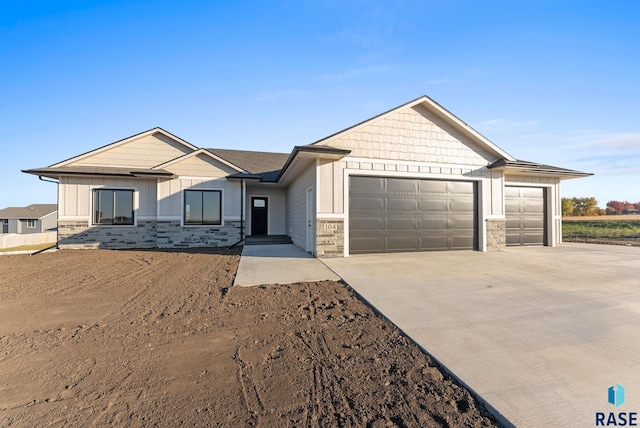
[{"x": 259, "y": 208}]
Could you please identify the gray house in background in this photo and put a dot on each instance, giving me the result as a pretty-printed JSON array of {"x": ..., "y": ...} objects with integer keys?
[
  {"x": 35, "y": 218},
  {"x": 414, "y": 178}
]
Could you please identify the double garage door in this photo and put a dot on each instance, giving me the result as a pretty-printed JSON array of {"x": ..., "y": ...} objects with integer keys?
[{"x": 403, "y": 214}]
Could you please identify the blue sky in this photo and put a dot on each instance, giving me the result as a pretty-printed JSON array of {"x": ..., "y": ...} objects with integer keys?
[{"x": 556, "y": 82}]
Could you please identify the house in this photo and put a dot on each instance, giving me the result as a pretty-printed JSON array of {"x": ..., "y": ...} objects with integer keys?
[
  {"x": 414, "y": 178},
  {"x": 35, "y": 218}
]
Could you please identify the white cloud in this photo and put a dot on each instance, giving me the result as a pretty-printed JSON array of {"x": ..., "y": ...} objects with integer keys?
[{"x": 621, "y": 141}]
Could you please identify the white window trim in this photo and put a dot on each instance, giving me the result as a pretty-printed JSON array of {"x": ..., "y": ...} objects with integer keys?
[
  {"x": 202, "y": 189},
  {"x": 136, "y": 205},
  {"x": 33, "y": 225}
]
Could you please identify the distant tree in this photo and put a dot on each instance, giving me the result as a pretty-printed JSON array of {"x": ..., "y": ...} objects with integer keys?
[
  {"x": 611, "y": 210},
  {"x": 567, "y": 206},
  {"x": 637, "y": 205},
  {"x": 617, "y": 206},
  {"x": 585, "y": 206}
]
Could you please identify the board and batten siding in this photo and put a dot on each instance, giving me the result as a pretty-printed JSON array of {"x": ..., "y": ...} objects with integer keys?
[
  {"x": 170, "y": 196},
  {"x": 75, "y": 195},
  {"x": 144, "y": 152},
  {"x": 277, "y": 208},
  {"x": 297, "y": 206},
  {"x": 413, "y": 134}
]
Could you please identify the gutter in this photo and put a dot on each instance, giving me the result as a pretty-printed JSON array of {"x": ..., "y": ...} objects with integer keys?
[
  {"x": 58, "y": 211},
  {"x": 243, "y": 187}
]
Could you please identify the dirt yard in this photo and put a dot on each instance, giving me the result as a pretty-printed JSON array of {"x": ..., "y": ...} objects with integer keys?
[{"x": 143, "y": 338}]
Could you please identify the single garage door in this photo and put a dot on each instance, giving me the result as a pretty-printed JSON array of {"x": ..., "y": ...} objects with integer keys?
[
  {"x": 526, "y": 218},
  {"x": 403, "y": 214}
]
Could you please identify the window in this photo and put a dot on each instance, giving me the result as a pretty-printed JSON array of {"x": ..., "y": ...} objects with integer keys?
[
  {"x": 31, "y": 223},
  {"x": 202, "y": 207},
  {"x": 113, "y": 207}
]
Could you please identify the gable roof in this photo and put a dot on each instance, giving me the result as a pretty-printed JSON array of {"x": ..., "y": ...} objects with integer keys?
[
  {"x": 439, "y": 111},
  {"x": 33, "y": 211},
  {"x": 156, "y": 130},
  {"x": 196, "y": 153}
]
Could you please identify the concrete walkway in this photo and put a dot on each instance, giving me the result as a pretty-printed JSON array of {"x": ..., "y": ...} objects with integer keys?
[
  {"x": 540, "y": 333},
  {"x": 279, "y": 264}
]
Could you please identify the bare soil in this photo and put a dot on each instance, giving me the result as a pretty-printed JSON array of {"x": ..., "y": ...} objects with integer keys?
[{"x": 144, "y": 338}]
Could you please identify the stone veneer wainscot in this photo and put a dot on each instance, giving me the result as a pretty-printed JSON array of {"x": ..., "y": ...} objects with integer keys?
[
  {"x": 496, "y": 234},
  {"x": 330, "y": 238},
  {"x": 146, "y": 234}
]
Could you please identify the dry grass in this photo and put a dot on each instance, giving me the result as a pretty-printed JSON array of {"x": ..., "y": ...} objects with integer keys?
[
  {"x": 35, "y": 247},
  {"x": 602, "y": 218}
]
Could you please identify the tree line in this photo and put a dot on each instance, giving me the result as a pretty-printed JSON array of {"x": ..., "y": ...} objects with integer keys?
[{"x": 589, "y": 206}]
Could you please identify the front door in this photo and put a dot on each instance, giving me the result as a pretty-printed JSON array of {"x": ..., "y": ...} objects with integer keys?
[
  {"x": 259, "y": 219},
  {"x": 5, "y": 226}
]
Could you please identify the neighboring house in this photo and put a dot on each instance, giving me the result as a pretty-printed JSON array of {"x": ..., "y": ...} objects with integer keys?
[
  {"x": 414, "y": 178},
  {"x": 35, "y": 218}
]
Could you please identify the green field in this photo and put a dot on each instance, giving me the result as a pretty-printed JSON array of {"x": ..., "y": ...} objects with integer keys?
[{"x": 600, "y": 228}]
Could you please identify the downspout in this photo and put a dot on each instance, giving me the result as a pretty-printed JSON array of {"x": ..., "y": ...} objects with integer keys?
[
  {"x": 57, "y": 204},
  {"x": 242, "y": 192}
]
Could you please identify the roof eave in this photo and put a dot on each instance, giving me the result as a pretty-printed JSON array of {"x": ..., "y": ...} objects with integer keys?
[
  {"x": 133, "y": 173},
  {"x": 530, "y": 168},
  {"x": 311, "y": 151}
]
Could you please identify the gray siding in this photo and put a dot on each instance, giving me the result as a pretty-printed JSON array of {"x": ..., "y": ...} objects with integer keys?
[
  {"x": 24, "y": 230},
  {"x": 277, "y": 209},
  {"x": 50, "y": 221},
  {"x": 296, "y": 206}
]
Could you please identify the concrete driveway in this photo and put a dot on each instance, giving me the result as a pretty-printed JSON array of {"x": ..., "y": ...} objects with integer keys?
[{"x": 539, "y": 333}]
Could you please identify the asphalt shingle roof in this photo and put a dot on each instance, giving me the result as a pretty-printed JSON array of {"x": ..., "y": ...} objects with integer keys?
[
  {"x": 267, "y": 165},
  {"x": 33, "y": 211}
]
